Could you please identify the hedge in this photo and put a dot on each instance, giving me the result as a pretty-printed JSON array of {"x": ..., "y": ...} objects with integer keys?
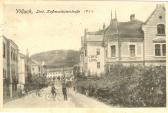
[{"x": 131, "y": 86}]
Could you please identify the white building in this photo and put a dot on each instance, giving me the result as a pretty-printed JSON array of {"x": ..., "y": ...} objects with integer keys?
[
  {"x": 133, "y": 42},
  {"x": 155, "y": 37},
  {"x": 92, "y": 54},
  {"x": 35, "y": 68},
  {"x": 59, "y": 72},
  {"x": 21, "y": 70}
]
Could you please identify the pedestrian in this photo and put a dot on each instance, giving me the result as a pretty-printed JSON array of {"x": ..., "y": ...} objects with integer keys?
[
  {"x": 64, "y": 90},
  {"x": 53, "y": 90}
]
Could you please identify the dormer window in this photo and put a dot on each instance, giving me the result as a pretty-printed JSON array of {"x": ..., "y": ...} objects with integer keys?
[
  {"x": 160, "y": 29},
  {"x": 160, "y": 17},
  {"x": 98, "y": 51}
]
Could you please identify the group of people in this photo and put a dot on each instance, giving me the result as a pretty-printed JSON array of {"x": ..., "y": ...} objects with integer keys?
[{"x": 64, "y": 90}]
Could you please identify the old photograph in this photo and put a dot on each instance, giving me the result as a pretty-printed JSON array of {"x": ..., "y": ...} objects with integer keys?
[{"x": 84, "y": 54}]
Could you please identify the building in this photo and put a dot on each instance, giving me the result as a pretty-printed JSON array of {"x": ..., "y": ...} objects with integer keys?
[
  {"x": 6, "y": 79},
  {"x": 124, "y": 42},
  {"x": 155, "y": 37},
  {"x": 53, "y": 73},
  {"x": 128, "y": 43},
  {"x": 92, "y": 53},
  {"x": 22, "y": 71},
  {"x": 35, "y": 68},
  {"x": 10, "y": 67}
]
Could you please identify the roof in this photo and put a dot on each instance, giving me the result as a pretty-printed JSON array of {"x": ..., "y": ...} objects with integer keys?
[
  {"x": 160, "y": 39},
  {"x": 13, "y": 43},
  {"x": 157, "y": 7},
  {"x": 22, "y": 55},
  {"x": 35, "y": 62},
  {"x": 131, "y": 29},
  {"x": 59, "y": 69},
  {"x": 94, "y": 37}
]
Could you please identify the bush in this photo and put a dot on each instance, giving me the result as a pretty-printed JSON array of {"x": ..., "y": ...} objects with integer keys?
[
  {"x": 36, "y": 82},
  {"x": 132, "y": 86}
]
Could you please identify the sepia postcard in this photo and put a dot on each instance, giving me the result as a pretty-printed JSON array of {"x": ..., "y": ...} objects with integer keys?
[{"x": 83, "y": 56}]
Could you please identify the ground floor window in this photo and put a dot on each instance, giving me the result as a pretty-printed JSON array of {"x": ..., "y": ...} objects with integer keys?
[
  {"x": 164, "y": 49},
  {"x": 98, "y": 64},
  {"x": 113, "y": 51},
  {"x": 160, "y": 49},
  {"x": 157, "y": 50},
  {"x": 132, "y": 50}
]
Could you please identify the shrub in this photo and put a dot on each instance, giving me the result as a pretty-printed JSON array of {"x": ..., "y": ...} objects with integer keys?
[{"x": 131, "y": 86}]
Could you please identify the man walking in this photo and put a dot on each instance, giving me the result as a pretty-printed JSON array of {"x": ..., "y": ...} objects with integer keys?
[{"x": 64, "y": 90}]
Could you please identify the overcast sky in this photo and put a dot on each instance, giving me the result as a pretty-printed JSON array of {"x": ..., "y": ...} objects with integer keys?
[{"x": 43, "y": 32}]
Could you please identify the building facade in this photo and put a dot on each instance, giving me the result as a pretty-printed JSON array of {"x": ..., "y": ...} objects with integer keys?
[
  {"x": 54, "y": 73},
  {"x": 22, "y": 71},
  {"x": 35, "y": 68},
  {"x": 10, "y": 67},
  {"x": 6, "y": 79},
  {"x": 128, "y": 43},
  {"x": 92, "y": 54},
  {"x": 155, "y": 37}
]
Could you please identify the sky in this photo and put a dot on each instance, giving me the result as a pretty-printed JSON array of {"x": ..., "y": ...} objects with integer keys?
[{"x": 44, "y": 32}]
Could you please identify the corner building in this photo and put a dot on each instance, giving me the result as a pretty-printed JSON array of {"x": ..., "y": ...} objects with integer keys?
[{"x": 128, "y": 43}]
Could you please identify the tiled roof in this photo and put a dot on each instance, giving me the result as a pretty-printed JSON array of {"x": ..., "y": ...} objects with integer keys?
[
  {"x": 158, "y": 6},
  {"x": 129, "y": 29}
]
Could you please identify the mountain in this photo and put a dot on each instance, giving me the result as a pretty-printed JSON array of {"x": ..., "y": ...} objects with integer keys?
[{"x": 58, "y": 58}]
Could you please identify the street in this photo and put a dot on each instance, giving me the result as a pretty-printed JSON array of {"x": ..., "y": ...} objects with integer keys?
[{"x": 74, "y": 100}]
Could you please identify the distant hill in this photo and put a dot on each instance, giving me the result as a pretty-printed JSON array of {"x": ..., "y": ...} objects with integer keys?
[{"x": 58, "y": 58}]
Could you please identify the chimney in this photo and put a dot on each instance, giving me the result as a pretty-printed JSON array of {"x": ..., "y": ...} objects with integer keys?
[{"x": 132, "y": 17}]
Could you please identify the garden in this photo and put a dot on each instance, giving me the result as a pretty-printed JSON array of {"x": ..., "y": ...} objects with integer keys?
[{"x": 127, "y": 86}]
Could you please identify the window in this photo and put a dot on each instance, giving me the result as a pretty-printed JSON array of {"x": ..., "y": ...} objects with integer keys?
[
  {"x": 160, "y": 17},
  {"x": 106, "y": 53},
  {"x": 14, "y": 56},
  {"x": 85, "y": 52},
  {"x": 113, "y": 51},
  {"x": 98, "y": 51},
  {"x": 3, "y": 73},
  {"x": 11, "y": 54},
  {"x": 161, "y": 29},
  {"x": 98, "y": 64},
  {"x": 4, "y": 50},
  {"x": 157, "y": 50},
  {"x": 164, "y": 49},
  {"x": 132, "y": 50}
]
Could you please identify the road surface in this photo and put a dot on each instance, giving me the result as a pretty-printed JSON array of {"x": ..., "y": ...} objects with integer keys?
[{"x": 75, "y": 100}]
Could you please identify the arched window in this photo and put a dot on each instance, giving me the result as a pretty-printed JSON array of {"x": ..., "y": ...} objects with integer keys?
[{"x": 161, "y": 29}]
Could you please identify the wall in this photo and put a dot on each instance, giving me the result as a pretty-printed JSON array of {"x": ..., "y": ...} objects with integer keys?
[
  {"x": 22, "y": 71},
  {"x": 125, "y": 52},
  {"x": 92, "y": 59},
  {"x": 35, "y": 69},
  {"x": 150, "y": 34}
]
